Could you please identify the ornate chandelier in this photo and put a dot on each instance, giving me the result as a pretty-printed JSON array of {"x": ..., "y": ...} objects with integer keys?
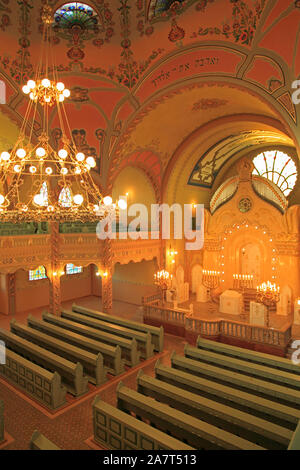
[{"x": 37, "y": 181}]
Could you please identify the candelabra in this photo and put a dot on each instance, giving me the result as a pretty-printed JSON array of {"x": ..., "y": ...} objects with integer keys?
[
  {"x": 163, "y": 279},
  {"x": 243, "y": 281},
  {"x": 211, "y": 280},
  {"x": 268, "y": 294}
]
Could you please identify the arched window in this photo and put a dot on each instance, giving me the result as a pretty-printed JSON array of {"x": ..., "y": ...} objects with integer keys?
[
  {"x": 38, "y": 273},
  {"x": 72, "y": 269},
  {"x": 278, "y": 167},
  {"x": 75, "y": 14}
]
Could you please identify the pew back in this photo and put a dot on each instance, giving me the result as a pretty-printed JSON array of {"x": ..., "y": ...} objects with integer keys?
[
  {"x": 39, "y": 383},
  {"x": 282, "y": 415},
  {"x": 259, "y": 387},
  {"x": 111, "y": 354},
  {"x": 143, "y": 339},
  {"x": 257, "y": 430},
  {"x": 270, "y": 374},
  {"x": 71, "y": 373},
  {"x": 116, "y": 430},
  {"x": 129, "y": 351},
  {"x": 255, "y": 357},
  {"x": 157, "y": 334},
  {"x": 180, "y": 425},
  {"x": 39, "y": 442}
]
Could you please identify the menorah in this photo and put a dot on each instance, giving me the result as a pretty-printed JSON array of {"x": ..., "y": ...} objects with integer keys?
[
  {"x": 243, "y": 281},
  {"x": 268, "y": 294},
  {"x": 210, "y": 279},
  {"x": 163, "y": 279}
]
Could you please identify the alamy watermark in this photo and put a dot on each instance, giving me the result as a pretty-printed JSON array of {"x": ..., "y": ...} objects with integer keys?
[
  {"x": 295, "y": 357},
  {"x": 188, "y": 224},
  {"x": 296, "y": 94},
  {"x": 2, "y": 353}
]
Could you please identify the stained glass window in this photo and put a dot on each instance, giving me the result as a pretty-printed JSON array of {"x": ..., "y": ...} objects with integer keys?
[
  {"x": 65, "y": 197},
  {"x": 72, "y": 269},
  {"x": 278, "y": 167},
  {"x": 38, "y": 273},
  {"x": 75, "y": 13}
]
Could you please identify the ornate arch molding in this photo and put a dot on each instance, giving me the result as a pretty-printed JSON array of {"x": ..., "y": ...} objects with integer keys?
[
  {"x": 200, "y": 132},
  {"x": 286, "y": 125}
]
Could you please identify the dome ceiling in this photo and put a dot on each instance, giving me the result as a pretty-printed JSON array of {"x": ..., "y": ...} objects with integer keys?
[{"x": 136, "y": 68}]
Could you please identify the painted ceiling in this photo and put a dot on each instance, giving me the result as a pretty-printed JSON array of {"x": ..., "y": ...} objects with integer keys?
[{"x": 149, "y": 73}]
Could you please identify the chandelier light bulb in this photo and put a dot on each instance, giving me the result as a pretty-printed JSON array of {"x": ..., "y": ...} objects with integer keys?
[
  {"x": 60, "y": 86},
  {"x": 31, "y": 84},
  {"x": 31, "y": 96},
  {"x": 5, "y": 156},
  {"x": 2, "y": 199},
  {"x": 17, "y": 168},
  {"x": 77, "y": 170},
  {"x": 40, "y": 152},
  {"x": 47, "y": 99},
  {"x": 21, "y": 153},
  {"x": 87, "y": 167},
  {"x": 62, "y": 153},
  {"x": 61, "y": 98},
  {"x": 107, "y": 200},
  {"x": 122, "y": 204},
  {"x": 38, "y": 200},
  {"x": 64, "y": 171},
  {"x": 80, "y": 157},
  {"x": 49, "y": 170},
  {"x": 46, "y": 83},
  {"x": 32, "y": 169},
  {"x": 78, "y": 199},
  {"x": 66, "y": 93},
  {"x": 26, "y": 89},
  {"x": 50, "y": 208},
  {"x": 96, "y": 207},
  {"x": 91, "y": 162}
]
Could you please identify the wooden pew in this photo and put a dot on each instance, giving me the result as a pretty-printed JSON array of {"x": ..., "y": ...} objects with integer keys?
[
  {"x": 262, "y": 388},
  {"x": 116, "y": 430},
  {"x": 295, "y": 441},
  {"x": 71, "y": 374},
  {"x": 39, "y": 442},
  {"x": 1, "y": 421},
  {"x": 111, "y": 354},
  {"x": 35, "y": 381},
  {"x": 283, "y": 415},
  {"x": 129, "y": 351},
  {"x": 257, "y": 430},
  {"x": 92, "y": 363},
  {"x": 269, "y": 374},
  {"x": 248, "y": 355},
  {"x": 157, "y": 334},
  {"x": 143, "y": 339},
  {"x": 184, "y": 427}
]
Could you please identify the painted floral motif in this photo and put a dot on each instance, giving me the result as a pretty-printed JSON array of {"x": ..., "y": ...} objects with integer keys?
[
  {"x": 4, "y": 19},
  {"x": 21, "y": 68},
  {"x": 161, "y": 9},
  {"x": 242, "y": 26},
  {"x": 177, "y": 33}
]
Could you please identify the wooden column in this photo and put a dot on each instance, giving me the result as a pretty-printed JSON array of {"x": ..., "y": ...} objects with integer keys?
[
  {"x": 11, "y": 289},
  {"x": 54, "y": 277},
  {"x": 107, "y": 297},
  {"x": 107, "y": 292}
]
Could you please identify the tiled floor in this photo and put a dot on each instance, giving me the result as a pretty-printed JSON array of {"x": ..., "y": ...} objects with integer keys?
[{"x": 71, "y": 428}]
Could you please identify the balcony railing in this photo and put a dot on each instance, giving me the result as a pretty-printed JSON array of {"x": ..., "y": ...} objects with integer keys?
[{"x": 220, "y": 327}]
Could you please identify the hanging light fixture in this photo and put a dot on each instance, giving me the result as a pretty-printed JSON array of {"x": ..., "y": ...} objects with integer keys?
[{"x": 38, "y": 182}]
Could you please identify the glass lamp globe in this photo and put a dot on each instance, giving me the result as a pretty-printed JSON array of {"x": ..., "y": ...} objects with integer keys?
[
  {"x": 107, "y": 200},
  {"x": 78, "y": 199}
]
